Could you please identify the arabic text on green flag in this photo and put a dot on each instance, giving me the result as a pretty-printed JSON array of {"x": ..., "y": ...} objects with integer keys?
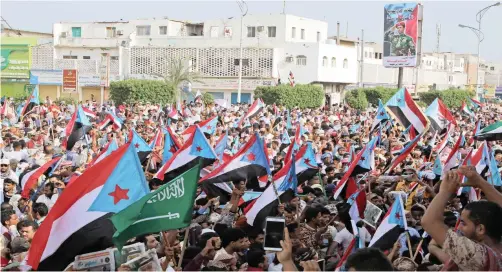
[{"x": 167, "y": 208}]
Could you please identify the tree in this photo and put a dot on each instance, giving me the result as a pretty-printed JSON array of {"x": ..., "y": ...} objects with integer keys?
[{"x": 178, "y": 72}]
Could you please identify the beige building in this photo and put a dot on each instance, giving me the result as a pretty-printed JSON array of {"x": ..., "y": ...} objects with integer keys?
[{"x": 9, "y": 32}]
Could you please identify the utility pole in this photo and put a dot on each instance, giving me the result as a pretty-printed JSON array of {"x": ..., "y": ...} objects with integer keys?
[
  {"x": 400, "y": 78},
  {"x": 244, "y": 10},
  {"x": 361, "y": 63}
]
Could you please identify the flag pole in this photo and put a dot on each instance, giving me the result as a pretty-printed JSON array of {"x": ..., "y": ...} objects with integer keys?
[
  {"x": 409, "y": 244},
  {"x": 185, "y": 239},
  {"x": 275, "y": 189},
  {"x": 418, "y": 249}
]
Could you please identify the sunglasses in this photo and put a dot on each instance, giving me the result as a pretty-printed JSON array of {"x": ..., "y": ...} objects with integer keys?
[{"x": 4, "y": 165}]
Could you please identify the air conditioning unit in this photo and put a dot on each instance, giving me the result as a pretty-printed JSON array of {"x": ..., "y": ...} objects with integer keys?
[
  {"x": 260, "y": 28},
  {"x": 63, "y": 34},
  {"x": 289, "y": 59},
  {"x": 124, "y": 44},
  {"x": 120, "y": 32}
]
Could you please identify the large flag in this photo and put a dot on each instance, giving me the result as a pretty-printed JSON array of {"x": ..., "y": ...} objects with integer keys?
[
  {"x": 475, "y": 103},
  {"x": 254, "y": 110},
  {"x": 171, "y": 145},
  {"x": 31, "y": 102},
  {"x": 76, "y": 129},
  {"x": 340, "y": 186},
  {"x": 257, "y": 211},
  {"x": 250, "y": 162},
  {"x": 492, "y": 132},
  {"x": 404, "y": 153},
  {"x": 142, "y": 148},
  {"x": 393, "y": 224},
  {"x": 187, "y": 156},
  {"x": 71, "y": 227},
  {"x": 107, "y": 150},
  {"x": 206, "y": 123},
  {"x": 381, "y": 115},
  {"x": 169, "y": 207},
  {"x": 438, "y": 148},
  {"x": 30, "y": 179},
  {"x": 439, "y": 115},
  {"x": 406, "y": 111}
]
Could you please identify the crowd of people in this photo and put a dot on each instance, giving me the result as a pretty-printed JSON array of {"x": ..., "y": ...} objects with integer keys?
[{"x": 446, "y": 228}]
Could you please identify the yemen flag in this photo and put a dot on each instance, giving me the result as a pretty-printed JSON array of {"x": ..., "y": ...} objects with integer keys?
[
  {"x": 173, "y": 114},
  {"x": 357, "y": 202},
  {"x": 253, "y": 111},
  {"x": 465, "y": 109},
  {"x": 475, "y": 103},
  {"x": 76, "y": 129},
  {"x": 393, "y": 224},
  {"x": 171, "y": 145},
  {"x": 112, "y": 120},
  {"x": 187, "y": 157},
  {"x": 381, "y": 115},
  {"x": 169, "y": 207},
  {"x": 477, "y": 129},
  {"x": 31, "y": 102},
  {"x": 439, "y": 115},
  {"x": 71, "y": 228},
  {"x": 406, "y": 111},
  {"x": 265, "y": 205},
  {"x": 293, "y": 147},
  {"x": 492, "y": 132},
  {"x": 441, "y": 145},
  {"x": 30, "y": 179},
  {"x": 250, "y": 162},
  {"x": 206, "y": 123}
]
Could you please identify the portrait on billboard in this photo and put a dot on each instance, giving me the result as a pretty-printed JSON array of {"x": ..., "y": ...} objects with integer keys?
[{"x": 400, "y": 34}]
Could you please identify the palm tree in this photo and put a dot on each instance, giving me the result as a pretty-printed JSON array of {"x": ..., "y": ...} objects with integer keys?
[{"x": 178, "y": 72}]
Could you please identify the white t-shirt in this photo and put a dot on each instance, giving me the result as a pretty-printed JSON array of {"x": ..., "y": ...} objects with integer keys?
[
  {"x": 344, "y": 237},
  {"x": 18, "y": 155}
]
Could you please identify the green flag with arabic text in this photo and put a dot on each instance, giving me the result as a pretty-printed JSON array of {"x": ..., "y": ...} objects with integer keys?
[{"x": 169, "y": 207}]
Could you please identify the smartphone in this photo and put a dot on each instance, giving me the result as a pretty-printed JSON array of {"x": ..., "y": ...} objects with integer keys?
[
  {"x": 321, "y": 264},
  {"x": 274, "y": 233}
]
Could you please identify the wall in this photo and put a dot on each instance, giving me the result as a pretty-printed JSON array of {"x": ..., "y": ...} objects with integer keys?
[
  {"x": 47, "y": 90},
  {"x": 311, "y": 28},
  {"x": 94, "y": 53},
  {"x": 338, "y": 73}
]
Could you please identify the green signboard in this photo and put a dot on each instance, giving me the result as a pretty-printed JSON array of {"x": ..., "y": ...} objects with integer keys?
[{"x": 15, "y": 61}]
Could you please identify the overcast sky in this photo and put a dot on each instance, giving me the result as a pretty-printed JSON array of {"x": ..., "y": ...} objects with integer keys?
[{"x": 367, "y": 15}]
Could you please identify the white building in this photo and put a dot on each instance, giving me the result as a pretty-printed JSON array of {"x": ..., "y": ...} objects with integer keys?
[{"x": 273, "y": 46}]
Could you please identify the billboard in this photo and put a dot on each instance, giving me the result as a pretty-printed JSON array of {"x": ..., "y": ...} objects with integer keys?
[
  {"x": 402, "y": 31},
  {"x": 104, "y": 70},
  {"x": 89, "y": 80},
  {"x": 48, "y": 77},
  {"x": 70, "y": 81},
  {"x": 15, "y": 61}
]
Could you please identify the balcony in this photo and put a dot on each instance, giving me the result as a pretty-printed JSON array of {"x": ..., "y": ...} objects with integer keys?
[{"x": 89, "y": 42}]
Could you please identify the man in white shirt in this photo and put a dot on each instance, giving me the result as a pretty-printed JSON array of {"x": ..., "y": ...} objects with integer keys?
[{"x": 49, "y": 196}]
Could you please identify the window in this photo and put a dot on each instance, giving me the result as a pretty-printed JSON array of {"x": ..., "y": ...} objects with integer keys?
[
  {"x": 302, "y": 34},
  {"x": 450, "y": 79},
  {"x": 271, "y": 31},
  {"x": 318, "y": 36},
  {"x": 214, "y": 31},
  {"x": 114, "y": 58},
  {"x": 301, "y": 60},
  {"x": 293, "y": 32},
  {"x": 333, "y": 62},
  {"x": 365, "y": 54},
  {"x": 69, "y": 57},
  {"x": 325, "y": 61},
  {"x": 162, "y": 30},
  {"x": 251, "y": 31},
  {"x": 245, "y": 62},
  {"x": 111, "y": 32},
  {"x": 492, "y": 68},
  {"x": 345, "y": 63},
  {"x": 143, "y": 30},
  {"x": 76, "y": 32},
  {"x": 379, "y": 55},
  {"x": 86, "y": 57}
]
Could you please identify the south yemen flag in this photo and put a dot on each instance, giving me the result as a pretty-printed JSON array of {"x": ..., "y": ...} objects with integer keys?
[
  {"x": 72, "y": 226},
  {"x": 169, "y": 207},
  {"x": 76, "y": 129},
  {"x": 492, "y": 132},
  {"x": 439, "y": 115},
  {"x": 406, "y": 111},
  {"x": 31, "y": 102},
  {"x": 393, "y": 224}
]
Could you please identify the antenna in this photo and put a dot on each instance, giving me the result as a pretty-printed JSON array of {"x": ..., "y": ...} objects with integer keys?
[{"x": 438, "y": 36}]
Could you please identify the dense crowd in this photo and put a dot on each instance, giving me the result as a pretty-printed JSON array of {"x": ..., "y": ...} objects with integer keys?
[{"x": 444, "y": 228}]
